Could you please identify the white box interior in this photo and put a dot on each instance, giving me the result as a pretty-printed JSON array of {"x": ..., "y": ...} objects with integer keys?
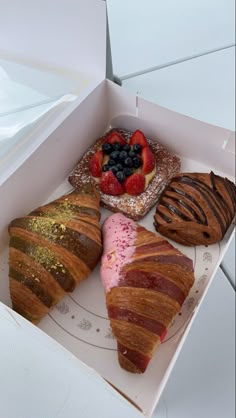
[{"x": 79, "y": 322}]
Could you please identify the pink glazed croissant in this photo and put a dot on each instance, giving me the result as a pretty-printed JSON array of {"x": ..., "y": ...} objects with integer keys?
[{"x": 146, "y": 281}]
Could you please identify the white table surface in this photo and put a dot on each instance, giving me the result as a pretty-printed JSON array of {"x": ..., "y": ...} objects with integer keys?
[
  {"x": 228, "y": 263},
  {"x": 203, "y": 88},
  {"x": 150, "y": 33}
]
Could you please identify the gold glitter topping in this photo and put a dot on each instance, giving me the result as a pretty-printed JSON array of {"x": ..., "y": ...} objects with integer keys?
[
  {"x": 27, "y": 273},
  {"x": 46, "y": 258},
  {"x": 47, "y": 228},
  {"x": 65, "y": 211}
]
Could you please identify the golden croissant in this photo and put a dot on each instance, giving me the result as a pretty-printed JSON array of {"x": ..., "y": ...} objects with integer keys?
[{"x": 52, "y": 250}]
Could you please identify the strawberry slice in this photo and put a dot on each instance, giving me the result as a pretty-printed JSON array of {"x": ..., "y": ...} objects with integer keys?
[
  {"x": 163, "y": 335},
  {"x": 115, "y": 137},
  {"x": 95, "y": 165},
  {"x": 148, "y": 160},
  {"x": 135, "y": 184},
  {"x": 139, "y": 360},
  {"x": 138, "y": 137},
  {"x": 110, "y": 185}
]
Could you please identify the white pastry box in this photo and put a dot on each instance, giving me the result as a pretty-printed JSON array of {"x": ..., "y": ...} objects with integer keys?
[{"x": 62, "y": 46}]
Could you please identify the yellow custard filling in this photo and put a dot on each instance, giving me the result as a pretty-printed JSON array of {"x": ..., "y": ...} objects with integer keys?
[{"x": 148, "y": 177}]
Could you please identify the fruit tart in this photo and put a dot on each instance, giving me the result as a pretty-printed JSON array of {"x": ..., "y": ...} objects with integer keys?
[{"x": 129, "y": 170}]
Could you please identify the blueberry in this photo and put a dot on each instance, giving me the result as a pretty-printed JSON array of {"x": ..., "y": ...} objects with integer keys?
[
  {"x": 106, "y": 167},
  {"x": 128, "y": 162},
  {"x": 132, "y": 154},
  {"x": 111, "y": 162},
  {"x": 127, "y": 147},
  {"x": 137, "y": 148},
  {"x": 120, "y": 176},
  {"x": 114, "y": 155},
  {"x": 117, "y": 146},
  {"x": 114, "y": 169},
  {"x": 137, "y": 162},
  {"x": 107, "y": 148},
  {"x": 119, "y": 166},
  {"x": 123, "y": 155},
  {"x": 128, "y": 171}
]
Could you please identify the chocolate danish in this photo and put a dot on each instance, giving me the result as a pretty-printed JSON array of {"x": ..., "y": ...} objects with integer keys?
[{"x": 196, "y": 208}]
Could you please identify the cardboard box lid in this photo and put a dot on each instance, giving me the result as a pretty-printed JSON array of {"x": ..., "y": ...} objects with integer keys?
[
  {"x": 65, "y": 34},
  {"x": 48, "y": 381},
  {"x": 52, "y": 55}
]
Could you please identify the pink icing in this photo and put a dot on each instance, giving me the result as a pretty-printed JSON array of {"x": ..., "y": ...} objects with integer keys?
[{"x": 119, "y": 234}]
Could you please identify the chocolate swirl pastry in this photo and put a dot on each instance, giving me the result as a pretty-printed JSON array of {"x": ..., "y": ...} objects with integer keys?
[
  {"x": 52, "y": 250},
  {"x": 196, "y": 208}
]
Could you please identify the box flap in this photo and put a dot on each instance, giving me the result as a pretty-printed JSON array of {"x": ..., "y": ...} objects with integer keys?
[
  {"x": 52, "y": 56},
  {"x": 66, "y": 34},
  {"x": 32, "y": 363}
]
